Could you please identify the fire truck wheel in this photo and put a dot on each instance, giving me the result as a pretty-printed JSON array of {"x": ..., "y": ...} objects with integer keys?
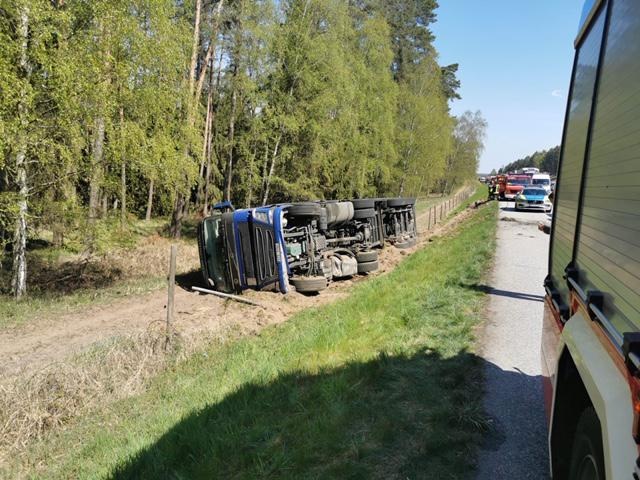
[
  {"x": 405, "y": 243},
  {"x": 309, "y": 284},
  {"x": 587, "y": 456},
  {"x": 305, "y": 210},
  {"x": 400, "y": 202},
  {"x": 366, "y": 267},
  {"x": 364, "y": 213},
  {"x": 366, "y": 256},
  {"x": 361, "y": 203}
]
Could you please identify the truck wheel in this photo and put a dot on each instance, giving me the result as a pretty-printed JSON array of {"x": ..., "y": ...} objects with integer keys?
[
  {"x": 361, "y": 203},
  {"x": 366, "y": 267},
  {"x": 366, "y": 256},
  {"x": 309, "y": 284},
  {"x": 400, "y": 202},
  {"x": 587, "y": 456},
  {"x": 305, "y": 210},
  {"x": 364, "y": 214},
  {"x": 405, "y": 244}
]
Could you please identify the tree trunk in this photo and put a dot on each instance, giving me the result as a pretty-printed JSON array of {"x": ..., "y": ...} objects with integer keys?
[
  {"x": 19, "y": 278},
  {"x": 207, "y": 181},
  {"x": 96, "y": 169},
  {"x": 181, "y": 200},
  {"x": 205, "y": 146},
  {"x": 232, "y": 125},
  {"x": 123, "y": 173},
  {"x": 210, "y": 51},
  {"x": 147, "y": 217},
  {"x": 105, "y": 206},
  {"x": 271, "y": 170},
  {"x": 176, "y": 218},
  {"x": 249, "y": 196},
  {"x": 195, "y": 47}
]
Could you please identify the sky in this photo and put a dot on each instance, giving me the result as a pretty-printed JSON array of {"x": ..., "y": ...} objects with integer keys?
[{"x": 515, "y": 61}]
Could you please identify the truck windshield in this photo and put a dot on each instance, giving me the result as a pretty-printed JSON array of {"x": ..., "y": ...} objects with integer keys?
[
  {"x": 518, "y": 181},
  {"x": 215, "y": 253},
  {"x": 541, "y": 181}
]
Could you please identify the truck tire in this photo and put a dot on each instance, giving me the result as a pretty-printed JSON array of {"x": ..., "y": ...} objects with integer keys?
[
  {"x": 305, "y": 210},
  {"x": 364, "y": 213},
  {"x": 361, "y": 203},
  {"x": 308, "y": 284},
  {"x": 587, "y": 455},
  {"x": 405, "y": 244},
  {"x": 364, "y": 256},
  {"x": 400, "y": 202},
  {"x": 366, "y": 267}
]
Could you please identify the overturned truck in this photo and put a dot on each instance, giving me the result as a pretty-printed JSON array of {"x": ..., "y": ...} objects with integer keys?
[{"x": 306, "y": 245}]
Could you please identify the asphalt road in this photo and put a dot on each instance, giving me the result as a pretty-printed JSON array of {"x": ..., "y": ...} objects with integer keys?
[{"x": 516, "y": 445}]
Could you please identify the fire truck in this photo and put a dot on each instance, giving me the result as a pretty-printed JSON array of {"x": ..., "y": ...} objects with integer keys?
[{"x": 591, "y": 324}]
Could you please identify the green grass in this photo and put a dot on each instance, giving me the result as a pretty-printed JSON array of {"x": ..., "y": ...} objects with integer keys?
[{"x": 383, "y": 384}]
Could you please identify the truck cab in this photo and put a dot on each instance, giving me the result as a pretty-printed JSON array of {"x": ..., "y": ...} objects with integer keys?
[
  {"x": 514, "y": 185},
  {"x": 542, "y": 180},
  {"x": 242, "y": 249}
]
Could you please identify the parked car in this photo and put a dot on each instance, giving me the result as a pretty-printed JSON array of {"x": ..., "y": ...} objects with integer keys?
[
  {"x": 533, "y": 198},
  {"x": 591, "y": 323},
  {"x": 304, "y": 244}
]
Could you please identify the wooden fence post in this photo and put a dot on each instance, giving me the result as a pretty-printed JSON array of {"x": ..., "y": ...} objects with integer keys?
[{"x": 172, "y": 288}]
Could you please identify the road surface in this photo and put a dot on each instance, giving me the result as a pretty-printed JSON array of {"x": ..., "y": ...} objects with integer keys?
[{"x": 515, "y": 447}]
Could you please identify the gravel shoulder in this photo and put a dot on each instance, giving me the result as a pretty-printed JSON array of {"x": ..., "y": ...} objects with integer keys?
[{"x": 516, "y": 446}]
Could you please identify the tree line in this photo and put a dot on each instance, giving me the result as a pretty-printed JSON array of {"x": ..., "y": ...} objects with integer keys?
[
  {"x": 163, "y": 107},
  {"x": 545, "y": 160}
]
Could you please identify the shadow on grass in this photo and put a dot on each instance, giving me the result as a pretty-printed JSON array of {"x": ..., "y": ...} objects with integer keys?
[{"x": 391, "y": 417}]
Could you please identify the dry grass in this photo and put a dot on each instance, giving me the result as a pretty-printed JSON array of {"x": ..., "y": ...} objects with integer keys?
[
  {"x": 33, "y": 405},
  {"x": 76, "y": 272}
]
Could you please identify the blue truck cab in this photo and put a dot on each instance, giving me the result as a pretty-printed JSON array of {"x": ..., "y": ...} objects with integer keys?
[{"x": 241, "y": 249}]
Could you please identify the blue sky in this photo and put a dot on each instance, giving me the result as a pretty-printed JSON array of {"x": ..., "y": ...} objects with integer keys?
[{"x": 515, "y": 61}]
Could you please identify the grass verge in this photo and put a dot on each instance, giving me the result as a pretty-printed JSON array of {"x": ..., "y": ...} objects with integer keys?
[{"x": 383, "y": 384}]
